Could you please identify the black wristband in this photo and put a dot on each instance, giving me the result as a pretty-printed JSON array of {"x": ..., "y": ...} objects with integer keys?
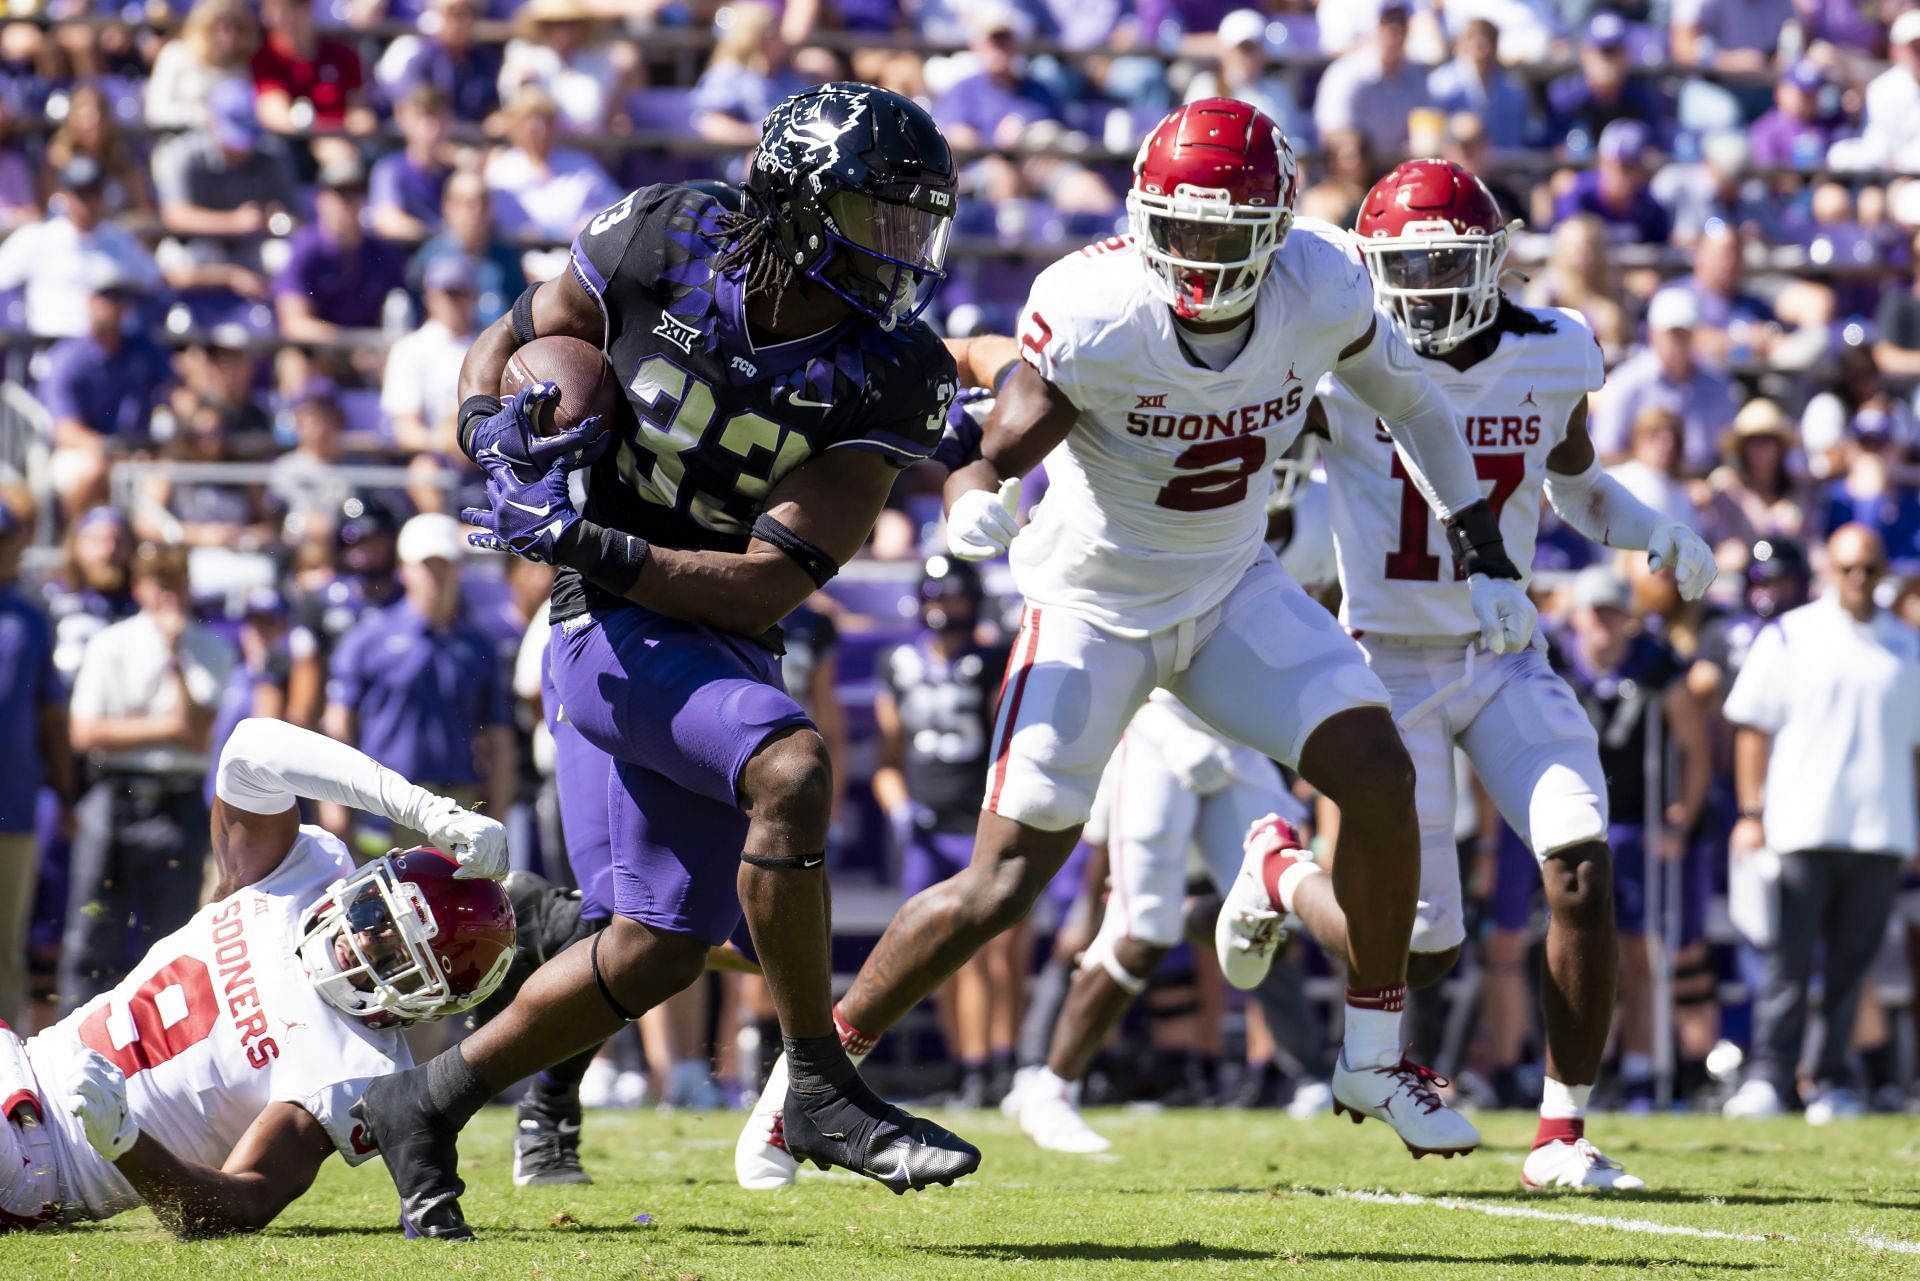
[
  {"x": 523, "y": 316},
  {"x": 1753, "y": 812},
  {"x": 481, "y": 406},
  {"x": 1474, "y": 536},
  {"x": 820, "y": 567},
  {"x": 611, "y": 560}
]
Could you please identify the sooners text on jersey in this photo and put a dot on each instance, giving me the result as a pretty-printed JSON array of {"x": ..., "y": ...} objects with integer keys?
[
  {"x": 1396, "y": 574},
  {"x": 1156, "y": 500},
  {"x": 214, "y": 1024}
]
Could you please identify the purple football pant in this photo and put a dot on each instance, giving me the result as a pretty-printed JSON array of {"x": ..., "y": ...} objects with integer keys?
[
  {"x": 582, "y": 774},
  {"x": 680, "y": 709},
  {"x": 932, "y": 857}
]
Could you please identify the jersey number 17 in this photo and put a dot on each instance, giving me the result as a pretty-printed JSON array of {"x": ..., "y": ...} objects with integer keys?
[{"x": 1411, "y": 561}]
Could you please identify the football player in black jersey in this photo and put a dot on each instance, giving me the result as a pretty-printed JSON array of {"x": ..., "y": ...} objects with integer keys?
[
  {"x": 778, "y": 379},
  {"x": 934, "y": 708}
]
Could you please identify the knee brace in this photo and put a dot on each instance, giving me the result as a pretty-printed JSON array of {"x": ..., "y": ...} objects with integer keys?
[
  {"x": 600, "y": 981},
  {"x": 1099, "y": 954}
]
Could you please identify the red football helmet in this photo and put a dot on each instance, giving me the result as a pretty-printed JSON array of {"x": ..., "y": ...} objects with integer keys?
[
  {"x": 1433, "y": 238},
  {"x": 403, "y": 939},
  {"x": 1212, "y": 200}
]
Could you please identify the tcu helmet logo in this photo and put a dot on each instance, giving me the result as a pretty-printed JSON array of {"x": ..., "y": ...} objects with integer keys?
[{"x": 801, "y": 137}]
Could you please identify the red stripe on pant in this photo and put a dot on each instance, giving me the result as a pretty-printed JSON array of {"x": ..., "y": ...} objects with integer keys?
[
  {"x": 1012, "y": 689},
  {"x": 1115, "y": 834}
]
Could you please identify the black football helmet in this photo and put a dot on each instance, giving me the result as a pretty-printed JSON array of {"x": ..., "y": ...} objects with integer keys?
[
  {"x": 859, "y": 186},
  {"x": 1778, "y": 577},
  {"x": 950, "y": 594}
]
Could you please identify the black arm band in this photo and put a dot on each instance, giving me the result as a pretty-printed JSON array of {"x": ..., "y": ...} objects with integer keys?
[
  {"x": 1474, "y": 536},
  {"x": 523, "y": 316},
  {"x": 820, "y": 567},
  {"x": 611, "y": 560},
  {"x": 1005, "y": 372},
  {"x": 481, "y": 406}
]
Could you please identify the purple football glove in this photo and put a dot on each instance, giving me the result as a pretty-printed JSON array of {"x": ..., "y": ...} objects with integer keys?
[
  {"x": 508, "y": 435},
  {"x": 527, "y": 517}
]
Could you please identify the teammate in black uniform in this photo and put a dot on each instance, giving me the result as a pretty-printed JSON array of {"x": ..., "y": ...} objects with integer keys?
[
  {"x": 779, "y": 380},
  {"x": 1625, "y": 678},
  {"x": 935, "y": 710}
]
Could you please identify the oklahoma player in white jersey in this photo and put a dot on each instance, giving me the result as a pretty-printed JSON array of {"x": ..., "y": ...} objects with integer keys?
[
  {"x": 1518, "y": 380},
  {"x": 1173, "y": 785},
  {"x": 212, "y": 1082},
  {"x": 1164, "y": 373}
]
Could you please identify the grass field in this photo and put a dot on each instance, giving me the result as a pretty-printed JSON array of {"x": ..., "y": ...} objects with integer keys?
[{"x": 1184, "y": 1194}]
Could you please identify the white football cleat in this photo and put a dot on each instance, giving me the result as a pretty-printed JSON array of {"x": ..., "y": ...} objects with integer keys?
[
  {"x": 1402, "y": 1095},
  {"x": 1578, "y": 1164},
  {"x": 1049, "y": 1117},
  {"x": 1757, "y": 1098},
  {"x": 1311, "y": 1099},
  {"x": 1016, "y": 1092},
  {"x": 761, "y": 1161},
  {"x": 1251, "y": 927},
  {"x": 1837, "y": 1104}
]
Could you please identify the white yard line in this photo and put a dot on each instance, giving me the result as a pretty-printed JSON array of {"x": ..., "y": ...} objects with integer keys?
[
  {"x": 1650, "y": 1227},
  {"x": 1499, "y": 1211},
  {"x": 1876, "y": 1242}
]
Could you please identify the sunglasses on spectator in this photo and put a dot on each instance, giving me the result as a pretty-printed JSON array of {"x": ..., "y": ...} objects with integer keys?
[{"x": 1871, "y": 568}]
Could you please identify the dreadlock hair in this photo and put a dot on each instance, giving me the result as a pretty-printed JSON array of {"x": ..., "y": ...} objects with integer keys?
[
  {"x": 753, "y": 248},
  {"x": 1515, "y": 319}
]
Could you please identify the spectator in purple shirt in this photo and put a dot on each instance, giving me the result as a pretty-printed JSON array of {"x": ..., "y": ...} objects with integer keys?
[
  {"x": 1666, "y": 375},
  {"x": 751, "y": 69},
  {"x": 421, "y": 688},
  {"x": 406, "y": 186},
  {"x": 100, "y": 389},
  {"x": 465, "y": 72},
  {"x": 1615, "y": 189},
  {"x": 994, "y": 106},
  {"x": 1603, "y": 90},
  {"x": 1795, "y": 134},
  {"x": 337, "y": 277},
  {"x": 33, "y": 743},
  {"x": 1186, "y": 25}
]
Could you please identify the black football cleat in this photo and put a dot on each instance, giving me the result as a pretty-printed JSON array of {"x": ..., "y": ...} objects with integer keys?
[
  {"x": 855, "y": 1129},
  {"x": 546, "y": 1141},
  {"x": 419, "y": 1147}
]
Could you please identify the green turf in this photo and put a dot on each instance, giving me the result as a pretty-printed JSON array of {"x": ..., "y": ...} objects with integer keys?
[{"x": 1207, "y": 1194}]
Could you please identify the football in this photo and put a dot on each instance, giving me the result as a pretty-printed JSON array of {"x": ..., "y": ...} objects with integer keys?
[{"x": 586, "y": 381}]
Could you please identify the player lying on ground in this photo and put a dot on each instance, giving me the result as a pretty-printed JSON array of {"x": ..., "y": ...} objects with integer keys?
[
  {"x": 212, "y": 1082},
  {"x": 1516, "y": 379},
  {"x": 779, "y": 379},
  {"x": 1165, "y": 373}
]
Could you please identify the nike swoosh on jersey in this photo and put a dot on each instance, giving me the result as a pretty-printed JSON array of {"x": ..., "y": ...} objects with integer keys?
[{"x": 795, "y": 398}]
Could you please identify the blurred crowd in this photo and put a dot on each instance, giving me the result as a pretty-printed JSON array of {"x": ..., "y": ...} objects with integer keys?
[{"x": 245, "y": 246}]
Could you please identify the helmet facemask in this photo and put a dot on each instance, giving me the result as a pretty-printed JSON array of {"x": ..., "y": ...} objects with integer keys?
[
  {"x": 1205, "y": 255},
  {"x": 884, "y": 258},
  {"x": 1440, "y": 285},
  {"x": 367, "y": 949}
]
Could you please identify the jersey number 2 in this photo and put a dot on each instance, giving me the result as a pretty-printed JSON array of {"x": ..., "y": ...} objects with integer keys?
[
  {"x": 1215, "y": 474},
  {"x": 1411, "y": 561},
  {"x": 169, "y": 1014}
]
